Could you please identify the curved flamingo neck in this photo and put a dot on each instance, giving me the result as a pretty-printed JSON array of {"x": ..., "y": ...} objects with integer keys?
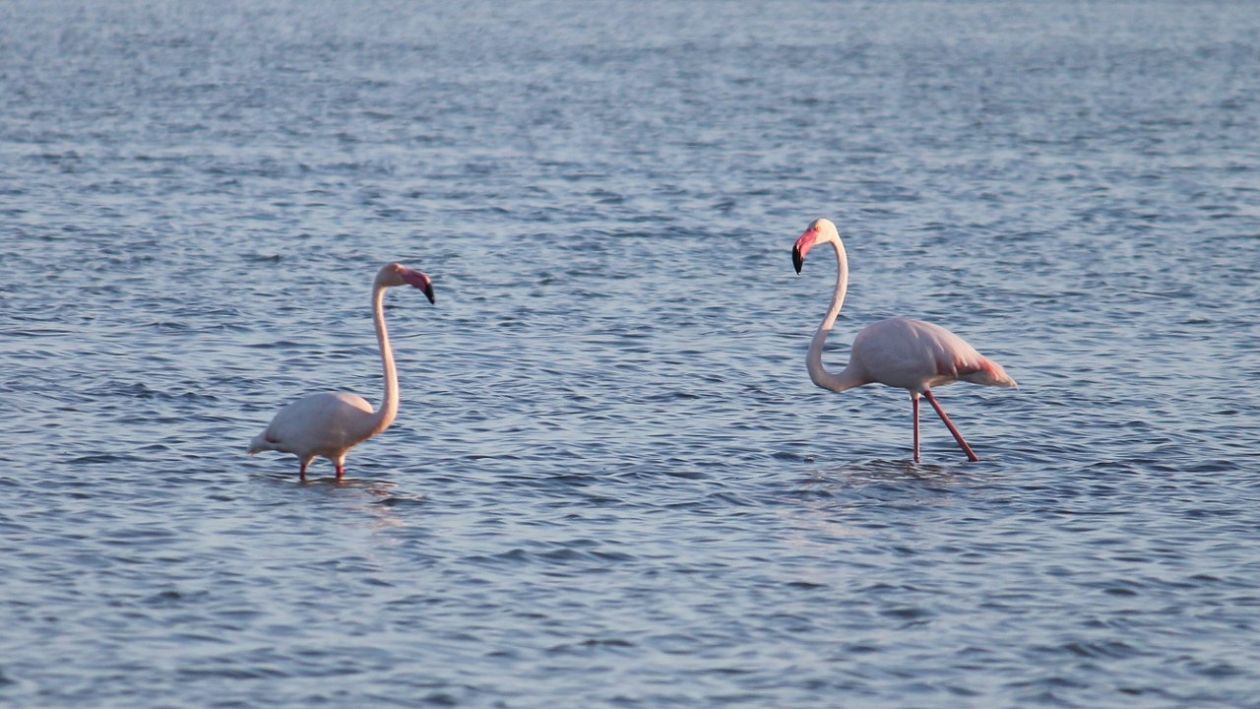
[
  {"x": 817, "y": 372},
  {"x": 842, "y": 285},
  {"x": 388, "y": 410}
]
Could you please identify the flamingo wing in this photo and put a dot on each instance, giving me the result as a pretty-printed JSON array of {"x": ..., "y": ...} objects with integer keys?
[
  {"x": 918, "y": 355},
  {"x": 319, "y": 424}
]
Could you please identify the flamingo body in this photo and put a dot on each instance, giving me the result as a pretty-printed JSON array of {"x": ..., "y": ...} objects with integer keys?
[
  {"x": 325, "y": 425},
  {"x": 898, "y": 352},
  {"x": 328, "y": 425},
  {"x": 917, "y": 355}
]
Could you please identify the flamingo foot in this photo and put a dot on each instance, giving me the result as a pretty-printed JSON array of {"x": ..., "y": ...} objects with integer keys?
[{"x": 962, "y": 442}]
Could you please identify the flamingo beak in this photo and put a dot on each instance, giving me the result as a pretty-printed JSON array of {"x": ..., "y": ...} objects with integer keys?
[
  {"x": 421, "y": 281},
  {"x": 801, "y": 249}
]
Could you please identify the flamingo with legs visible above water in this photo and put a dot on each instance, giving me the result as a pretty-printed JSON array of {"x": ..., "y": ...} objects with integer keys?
[
  {"x": 329, "y": 425},
  {"x": 909, "y": 354}
]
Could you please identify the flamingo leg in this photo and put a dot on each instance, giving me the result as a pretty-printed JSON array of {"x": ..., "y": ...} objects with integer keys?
[
  {"x": 302, "y": 470},
  {"x": 962, "y": 442},
  {"x": 914, "y": 398},
  {"x": 341, "y": 471}
]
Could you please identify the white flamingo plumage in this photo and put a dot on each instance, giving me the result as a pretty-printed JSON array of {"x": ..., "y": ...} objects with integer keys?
[
  {"x": 909, "y": 354},
  {"x": 328, "y": 425}
]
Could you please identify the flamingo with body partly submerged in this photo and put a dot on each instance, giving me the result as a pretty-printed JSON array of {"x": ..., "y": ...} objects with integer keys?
[
  {"x": 328, "y": 425},
  {"x": 909, "y": 354}
]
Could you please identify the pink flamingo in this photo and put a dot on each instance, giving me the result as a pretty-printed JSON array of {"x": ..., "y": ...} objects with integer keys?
[
  {"x": 898, "y": 352},
  {"x": 329, "y": 425}
]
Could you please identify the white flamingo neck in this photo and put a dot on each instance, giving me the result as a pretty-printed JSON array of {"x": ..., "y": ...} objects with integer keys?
[
  {"x": 388, "y": 410},
  {"x": 818, "y": 374},
  {"x": 842, "y": 285}
]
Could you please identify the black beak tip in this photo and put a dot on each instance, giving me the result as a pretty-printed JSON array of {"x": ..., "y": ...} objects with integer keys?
[
  {"x": 428, "y": 293},
  {"x": 796, "y": 259}
]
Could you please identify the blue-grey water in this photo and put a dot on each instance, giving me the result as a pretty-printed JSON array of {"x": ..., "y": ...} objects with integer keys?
[{"x": 611, "y": 481}]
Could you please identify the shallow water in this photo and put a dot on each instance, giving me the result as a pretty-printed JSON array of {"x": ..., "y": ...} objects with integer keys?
[{"x": 611, "y": 481}]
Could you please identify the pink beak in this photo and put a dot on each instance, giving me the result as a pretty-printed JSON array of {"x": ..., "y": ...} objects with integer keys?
[
  {"x": 802, "y": 247},
  {"x": 421, "y": 281}
]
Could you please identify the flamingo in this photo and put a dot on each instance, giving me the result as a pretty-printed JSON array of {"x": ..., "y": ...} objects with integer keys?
[
  {"x": 899, "y": 352},
  {"x": 330, "y": 424}
]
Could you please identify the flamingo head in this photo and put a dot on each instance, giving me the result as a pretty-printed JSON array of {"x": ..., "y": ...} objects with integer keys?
[
  {"x": 396, "y": 274},
  {"x": 819, "y": 231}
]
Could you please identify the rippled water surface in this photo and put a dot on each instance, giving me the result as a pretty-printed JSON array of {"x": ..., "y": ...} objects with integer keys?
[{"x": 611, "y": 482}]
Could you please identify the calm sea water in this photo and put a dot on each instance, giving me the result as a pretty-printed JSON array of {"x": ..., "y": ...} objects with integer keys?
[{"x": 611, "y": 482}]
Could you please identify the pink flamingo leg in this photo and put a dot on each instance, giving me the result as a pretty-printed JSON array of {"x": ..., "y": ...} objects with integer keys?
[
  {"x": 341, "y": 472},
  {"x": 302, "y": 471},
  {"x": 962, "y": 442},
  {"x": 915, "y": 399}
]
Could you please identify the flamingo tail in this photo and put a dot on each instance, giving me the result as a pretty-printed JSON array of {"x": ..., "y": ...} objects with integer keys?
[
  {"x": 259, "y": 444},
  {"x": 990, "y": 373}
]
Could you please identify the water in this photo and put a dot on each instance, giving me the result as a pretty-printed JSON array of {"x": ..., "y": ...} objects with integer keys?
[{"x": 611, "y": 482}]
